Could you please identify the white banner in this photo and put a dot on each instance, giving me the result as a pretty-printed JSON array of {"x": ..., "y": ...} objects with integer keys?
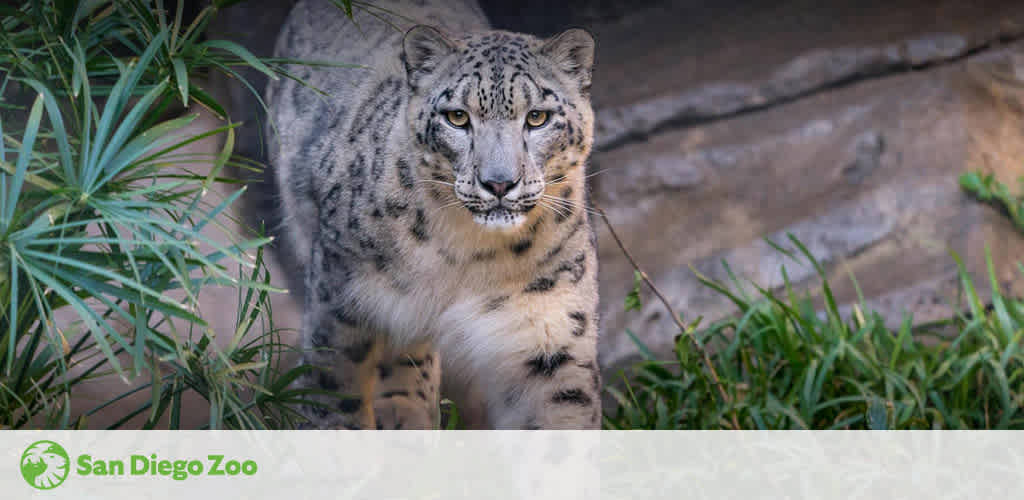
[{"x": 533, "y": 465}]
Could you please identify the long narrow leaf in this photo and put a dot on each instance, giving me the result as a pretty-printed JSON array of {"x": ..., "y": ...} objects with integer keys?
[{"x": 21, "y": 166}]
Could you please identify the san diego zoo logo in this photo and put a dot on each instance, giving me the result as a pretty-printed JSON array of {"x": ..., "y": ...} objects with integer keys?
[{"x": 45, "y": 465}]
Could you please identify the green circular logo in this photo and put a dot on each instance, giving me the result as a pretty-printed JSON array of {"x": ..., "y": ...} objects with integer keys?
[{"x": 44, "y": 465}]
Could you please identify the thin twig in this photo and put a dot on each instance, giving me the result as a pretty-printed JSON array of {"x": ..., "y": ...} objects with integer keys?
[{"x": 675, "y": 317}]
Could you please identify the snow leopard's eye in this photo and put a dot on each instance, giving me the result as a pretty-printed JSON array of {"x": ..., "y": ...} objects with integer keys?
[
  {"x": 457, "y": 118},
  {"x": 536, "y": 118}
]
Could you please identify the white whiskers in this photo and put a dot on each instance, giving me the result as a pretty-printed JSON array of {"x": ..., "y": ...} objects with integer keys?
[
  {"x": 567, "y": 204},
  {"x": 434, "y": 181},
  {"x": 561, "y": 180},
  {"x": 448, "y": 204}
]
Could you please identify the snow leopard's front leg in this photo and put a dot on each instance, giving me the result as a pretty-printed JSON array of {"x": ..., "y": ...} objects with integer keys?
[
  {"x": 550, "y": 385},
  {"x": 342, "y": 353},
  {"x": 542, "y": 362},
  {"x": 343, "y": 360},
  {"x": 407, "y": 387}
]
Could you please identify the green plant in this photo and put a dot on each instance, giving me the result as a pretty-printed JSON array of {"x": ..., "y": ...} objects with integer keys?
[
  {"x": 985, "y": 188},
  {"x": 784, "y": 363},
  {"x": 102, "y": 213}
]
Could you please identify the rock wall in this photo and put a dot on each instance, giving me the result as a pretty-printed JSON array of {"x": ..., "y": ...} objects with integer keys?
[{"x": 844, "y": 124}]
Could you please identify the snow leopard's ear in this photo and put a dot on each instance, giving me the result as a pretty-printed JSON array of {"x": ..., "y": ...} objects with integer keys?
[
  {"x": 572, "y": 51},
  {"x": 423, "y": 49}
]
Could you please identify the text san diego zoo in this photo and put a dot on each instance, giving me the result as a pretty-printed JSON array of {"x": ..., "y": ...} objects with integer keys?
[{"x": 179, "y": 470}]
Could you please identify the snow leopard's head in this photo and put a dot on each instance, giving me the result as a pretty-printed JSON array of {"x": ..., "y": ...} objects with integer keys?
[{"x": 503, "y": 120}]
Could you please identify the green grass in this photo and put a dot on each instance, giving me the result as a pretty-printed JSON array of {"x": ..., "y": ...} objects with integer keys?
[
  {"x": 986, "y": 189},
  {"x": 786, "y": 362}
]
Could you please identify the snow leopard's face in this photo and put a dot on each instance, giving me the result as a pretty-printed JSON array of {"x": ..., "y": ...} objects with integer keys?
[{"x": 501, "y": 119}]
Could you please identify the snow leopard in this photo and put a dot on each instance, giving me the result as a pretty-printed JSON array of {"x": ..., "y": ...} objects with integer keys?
[{"x": 434, "y": 194}]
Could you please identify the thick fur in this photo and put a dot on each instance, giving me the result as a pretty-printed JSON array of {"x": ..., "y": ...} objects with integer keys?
[{"x": 413, "y": 267}]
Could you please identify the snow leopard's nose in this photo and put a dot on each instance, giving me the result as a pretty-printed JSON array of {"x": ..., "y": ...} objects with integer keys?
[{"x": 498, "y": 187}]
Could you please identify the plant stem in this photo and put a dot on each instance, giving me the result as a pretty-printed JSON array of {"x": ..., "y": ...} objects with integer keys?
[{"x": 675, "y": 317}]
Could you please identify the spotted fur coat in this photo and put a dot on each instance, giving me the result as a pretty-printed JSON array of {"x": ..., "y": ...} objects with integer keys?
[{"x": 435, "y": 196}]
